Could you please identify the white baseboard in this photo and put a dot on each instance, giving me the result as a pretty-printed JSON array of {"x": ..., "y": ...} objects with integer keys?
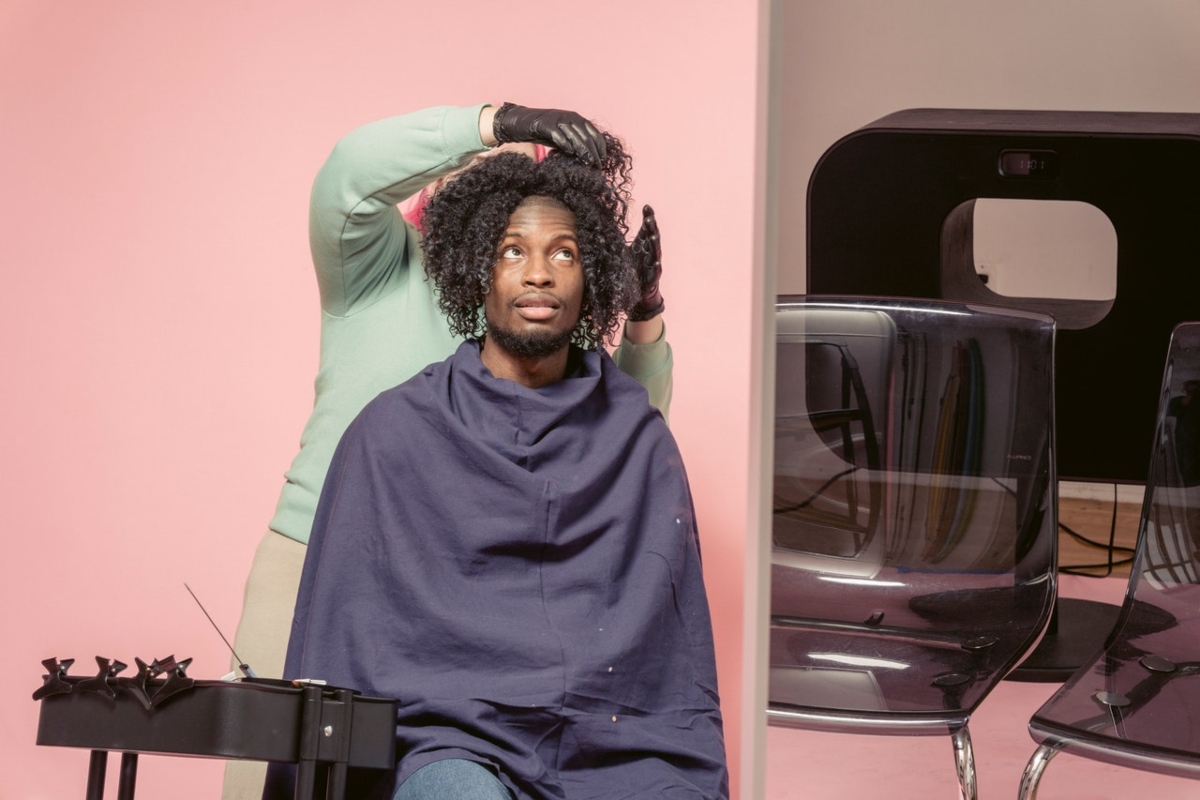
[{"x": 1102, "y": 492}]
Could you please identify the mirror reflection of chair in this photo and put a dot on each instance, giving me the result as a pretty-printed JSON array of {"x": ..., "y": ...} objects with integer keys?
[
  {"x": 1137, "y": 703},
  {"x": 914, "y": 518}
]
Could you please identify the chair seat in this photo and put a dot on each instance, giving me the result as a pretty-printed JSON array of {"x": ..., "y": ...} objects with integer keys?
[{"x": 894, "y": 671}]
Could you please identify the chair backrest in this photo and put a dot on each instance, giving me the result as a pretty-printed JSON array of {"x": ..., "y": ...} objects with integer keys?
[
  {"x": 914, "y": 520},
  {"x": 1141, "y": 695}
]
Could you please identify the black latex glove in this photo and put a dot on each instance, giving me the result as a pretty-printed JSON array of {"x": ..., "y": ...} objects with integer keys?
[
  {"x": 646, "y": 253},
  {"x": 563, "y": 130}
]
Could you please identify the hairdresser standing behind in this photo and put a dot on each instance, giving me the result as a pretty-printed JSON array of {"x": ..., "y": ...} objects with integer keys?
[{"x": 380, "y": 321}]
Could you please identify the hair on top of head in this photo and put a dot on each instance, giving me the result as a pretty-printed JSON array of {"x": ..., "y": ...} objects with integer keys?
[{"x": 465, "y": 221}]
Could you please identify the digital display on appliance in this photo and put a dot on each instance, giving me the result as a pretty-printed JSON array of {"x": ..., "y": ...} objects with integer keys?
[{"x": 1029, "y": 164}]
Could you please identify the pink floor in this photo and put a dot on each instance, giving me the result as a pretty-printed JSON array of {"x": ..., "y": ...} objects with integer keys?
[{"x": 824, "y": 766}]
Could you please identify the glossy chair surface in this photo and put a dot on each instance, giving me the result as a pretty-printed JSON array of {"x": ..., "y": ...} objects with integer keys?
[
  {"x": 913, "y": 557},
  {"x": 1137, "y": 703}
]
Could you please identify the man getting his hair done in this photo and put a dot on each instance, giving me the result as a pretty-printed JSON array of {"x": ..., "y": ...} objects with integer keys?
[
  {"x": 380, "y": 322},
  {"x": 506, "y": 542}
]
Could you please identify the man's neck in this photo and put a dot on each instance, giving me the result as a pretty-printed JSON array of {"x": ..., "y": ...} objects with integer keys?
[{"x": 532, "y": 372}]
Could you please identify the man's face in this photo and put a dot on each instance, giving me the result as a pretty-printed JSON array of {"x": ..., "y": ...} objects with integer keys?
[{"x": 537, "y": 283}]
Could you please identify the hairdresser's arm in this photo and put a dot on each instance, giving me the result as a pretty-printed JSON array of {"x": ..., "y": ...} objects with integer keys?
[
  {"x": 646, "y": 332},
  {"x": 644, "y": 353},
  {"x": 487, "y": 132},
  {"x": 361, "y": 247},
  {"x": 650, "y": 363}
]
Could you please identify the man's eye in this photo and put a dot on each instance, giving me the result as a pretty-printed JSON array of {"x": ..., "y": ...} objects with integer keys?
[
  {"x": 565, "y": 255},
  {"x": 510, "y": 252}
]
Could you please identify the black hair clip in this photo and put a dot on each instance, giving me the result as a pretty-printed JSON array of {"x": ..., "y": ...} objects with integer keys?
[
  {"x": 139, "y": 685},
  {"x": 54, "y": 681},
  {"x": 177, "y": 680},
  {"x": 100, "y": 683}
]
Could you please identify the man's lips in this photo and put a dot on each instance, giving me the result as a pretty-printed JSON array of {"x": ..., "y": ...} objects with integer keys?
[{"x": 536, "y": 307}]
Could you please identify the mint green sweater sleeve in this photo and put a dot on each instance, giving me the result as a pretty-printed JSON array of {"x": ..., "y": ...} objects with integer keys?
[
  {"x": 652, "y": 366},
  {"x": 360, "y": 243}
]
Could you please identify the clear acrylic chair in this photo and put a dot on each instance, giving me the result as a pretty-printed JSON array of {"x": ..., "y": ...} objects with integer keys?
[
  {"x": 1137, "y": 703},
  {"x": 913, "y": 558}
]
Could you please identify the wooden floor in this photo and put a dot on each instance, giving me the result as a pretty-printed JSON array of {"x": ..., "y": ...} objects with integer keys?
[{"x": 1093, "y": 519}]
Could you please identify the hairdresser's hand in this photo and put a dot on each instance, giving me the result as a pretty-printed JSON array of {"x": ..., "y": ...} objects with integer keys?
[
  {"x": 564, "y": 130},
  {"x": 646, "y": 253}
]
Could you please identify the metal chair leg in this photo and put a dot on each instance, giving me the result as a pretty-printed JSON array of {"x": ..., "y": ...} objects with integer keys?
[
  {"x": 964, "y": 759},
  {"x": 1034, "y": 769}
]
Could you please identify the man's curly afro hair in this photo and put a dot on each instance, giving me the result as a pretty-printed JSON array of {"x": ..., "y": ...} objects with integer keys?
[{"x": 465, "y": 222}]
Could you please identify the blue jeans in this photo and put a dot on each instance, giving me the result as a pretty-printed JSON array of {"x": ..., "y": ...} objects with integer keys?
[{"x": 452, "y": 779}]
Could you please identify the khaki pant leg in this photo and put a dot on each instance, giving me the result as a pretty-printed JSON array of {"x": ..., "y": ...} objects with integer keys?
[{"x": 262, "y": 637}]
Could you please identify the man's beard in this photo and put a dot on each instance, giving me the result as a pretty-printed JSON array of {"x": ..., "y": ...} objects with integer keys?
[{"x": 537, "y": 344}]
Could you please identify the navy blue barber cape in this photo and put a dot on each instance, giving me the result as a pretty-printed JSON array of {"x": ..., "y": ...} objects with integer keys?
[{"x": 520, "y": 569}]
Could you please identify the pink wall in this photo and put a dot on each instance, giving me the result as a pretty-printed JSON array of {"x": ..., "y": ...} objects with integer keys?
[{"x": 161, "y": 319}]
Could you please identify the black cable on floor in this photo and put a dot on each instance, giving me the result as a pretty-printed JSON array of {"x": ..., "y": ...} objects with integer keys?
[{"x": 1111, "y": 547}]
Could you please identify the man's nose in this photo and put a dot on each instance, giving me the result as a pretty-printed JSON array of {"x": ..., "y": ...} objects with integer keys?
[{"x": 537, "y": 271}]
